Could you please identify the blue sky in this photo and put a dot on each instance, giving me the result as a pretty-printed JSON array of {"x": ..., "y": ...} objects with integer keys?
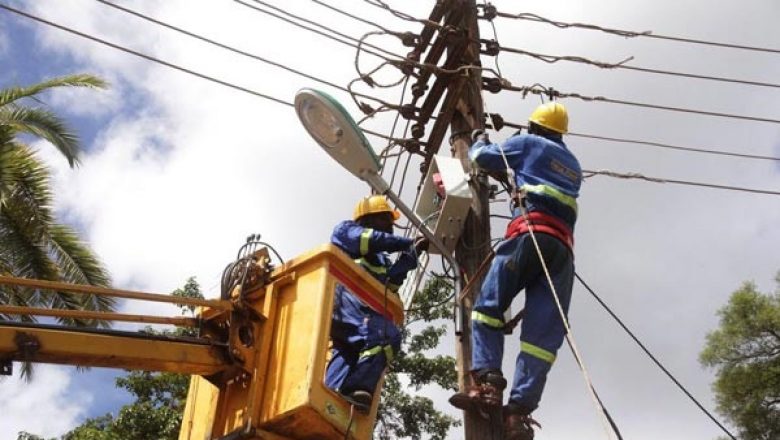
[{"x": 178, "y": 171}]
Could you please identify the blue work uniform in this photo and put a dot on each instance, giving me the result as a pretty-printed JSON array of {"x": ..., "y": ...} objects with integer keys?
[
  {"x": 551, "y": 176},
  {"x": 363, "y": 340}
]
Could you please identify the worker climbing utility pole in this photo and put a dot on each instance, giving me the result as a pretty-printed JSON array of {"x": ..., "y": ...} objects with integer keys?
[{"x": 474, "y": 245}]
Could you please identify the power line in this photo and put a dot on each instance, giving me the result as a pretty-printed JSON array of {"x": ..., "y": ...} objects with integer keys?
[
  {"x": 600, "y": 64},
  {"x": 166, "y": 63},
  {"x": 655, "y": 144},
  {"x": 402, "y": 60},
  {"x": 353, "y": 44},
  {"x": 544, "y": 91},
  {"x": 234, "y": 50},
  {"x": 589, "y": 173},
  {"x": 654, "y": 359},
  {"x": 631, "y": 34},
  {"x": 289, "y": 104},
  {"x": 674, "y": 147},
  {"x": 144, "y": 56},
  {"x": 621, "y": 65},
  {"x": 353, "y": 16}
]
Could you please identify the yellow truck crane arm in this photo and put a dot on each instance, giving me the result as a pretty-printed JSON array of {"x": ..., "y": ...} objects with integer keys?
[{"x": 259, "y": 361}]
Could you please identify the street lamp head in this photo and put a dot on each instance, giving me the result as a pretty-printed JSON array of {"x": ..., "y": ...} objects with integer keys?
[{"x": 336, "y": 132}]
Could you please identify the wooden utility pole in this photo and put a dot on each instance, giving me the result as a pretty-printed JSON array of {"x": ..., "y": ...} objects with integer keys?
[{"x": 474, "y": 245}]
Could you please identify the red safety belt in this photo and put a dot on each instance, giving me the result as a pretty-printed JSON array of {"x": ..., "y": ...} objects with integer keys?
[{"x": 541, "y": 223}]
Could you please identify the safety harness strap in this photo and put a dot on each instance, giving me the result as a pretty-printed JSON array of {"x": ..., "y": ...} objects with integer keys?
[{"x": 543, "y": 223}]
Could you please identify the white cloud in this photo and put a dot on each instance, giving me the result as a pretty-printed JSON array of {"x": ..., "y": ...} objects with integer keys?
[
  {"x": 171, "y": 188},
  {"x": 47, "y": 406}
]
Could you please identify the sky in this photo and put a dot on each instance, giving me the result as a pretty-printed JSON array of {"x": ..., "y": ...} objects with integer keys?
[{"x": 177, "y": 171}]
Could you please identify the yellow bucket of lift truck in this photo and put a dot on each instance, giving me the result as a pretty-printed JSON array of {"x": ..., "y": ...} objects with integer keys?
[{"x": 286, "y": 397}]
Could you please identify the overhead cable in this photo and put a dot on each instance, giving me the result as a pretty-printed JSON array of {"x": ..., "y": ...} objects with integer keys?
[
  {"x": 235, "y": 50},
  {"x": 353, "y": 42},
  {"x": 631, "y": 34},
  {"x": 652, "y": 357},
  {"x": 545, "y": 91},
  {"x": 352, "y": 16},
  {"x": 166, "y": 63},
  {"x": 405, "y": 60},
  {"x": 590, "y": 173},
  {"x": 601, "y": 64},
  {"x": 622, "y": 65},
  {"x": 289, "y": 104},
  {"x": 674, "y": 147},
  {"x": 400, "y": 14},
  {"x": 143, "y": 55},
  {"x": 655, "y": 144}
]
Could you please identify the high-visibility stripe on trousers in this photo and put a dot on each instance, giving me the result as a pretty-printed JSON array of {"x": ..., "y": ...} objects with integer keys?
[
  {"x": 363, "y": 343},
  {"x": 516, "y": 267}
]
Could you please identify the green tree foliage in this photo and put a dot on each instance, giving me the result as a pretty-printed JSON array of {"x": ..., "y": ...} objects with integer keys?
[
  {"x": 159, "y": 402},
  {"x": 403, "y": 414},
  {"x": 32, "y": 243},
  {"x": 745, "y": 351}
]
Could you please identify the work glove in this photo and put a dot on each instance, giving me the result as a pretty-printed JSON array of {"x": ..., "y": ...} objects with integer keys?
[{"x": 479, "y": 135}]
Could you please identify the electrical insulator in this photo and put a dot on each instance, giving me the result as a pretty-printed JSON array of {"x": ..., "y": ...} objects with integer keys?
[
  {"x": 408, "y": 39},
  {"x": 418, "y": 131},
  {"x": 489, "y": 12},
  {"x": 419, "y": 89},
  {"x": 492, "y": 48},
  {"x": 408, "y": 111},
  {"x": 492, "y": 85}
]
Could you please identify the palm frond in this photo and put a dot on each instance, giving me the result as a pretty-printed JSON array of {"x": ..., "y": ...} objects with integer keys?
[
  {"x": 12, "y": 94},
  {"x": 78, "y": 264},
  {"x": 44, "y": 124},
  {"x": 25, "y": 182}
]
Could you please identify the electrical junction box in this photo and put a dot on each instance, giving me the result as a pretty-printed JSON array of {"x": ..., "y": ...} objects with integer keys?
[{"x": 445, "y": 200}]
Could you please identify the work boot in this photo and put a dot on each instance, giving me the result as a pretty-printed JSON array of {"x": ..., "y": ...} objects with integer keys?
[
  {"x": 360, "y": 399},
  {"x": 485, "y": 395},
  {"x": 518, "y": 425}
]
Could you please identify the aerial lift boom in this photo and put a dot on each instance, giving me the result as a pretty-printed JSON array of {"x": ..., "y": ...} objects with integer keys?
[{"x": 258, "y": 362}]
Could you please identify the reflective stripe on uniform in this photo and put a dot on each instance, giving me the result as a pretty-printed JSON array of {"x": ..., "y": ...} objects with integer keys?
[
  {"x": 387, "y": 349},
  {"x": 389, "y": 353},
  {"x": 365, "y": 236},
  {"x": 537, "y": 352},
  {"x": 551, "y": 191},
  {"x": 379, "y": 270},
  {"x": 487, "y": 320}
]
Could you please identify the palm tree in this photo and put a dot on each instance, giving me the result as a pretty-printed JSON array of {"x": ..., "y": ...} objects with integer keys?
[{"x": 32, "y": 242}]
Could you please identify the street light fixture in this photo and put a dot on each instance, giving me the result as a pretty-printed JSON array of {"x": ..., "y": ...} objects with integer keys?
[{"x": 338, "y": 134}]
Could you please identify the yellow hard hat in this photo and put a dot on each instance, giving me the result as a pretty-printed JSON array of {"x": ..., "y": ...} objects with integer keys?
[
  {"x": 373, "y": 205},
  {"x": 552, "y": 116}
]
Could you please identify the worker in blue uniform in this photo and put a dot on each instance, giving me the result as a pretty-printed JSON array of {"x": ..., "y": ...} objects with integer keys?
[
  {"x": 548, "y": 176},
  {"x": 364, "y": 341}
]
